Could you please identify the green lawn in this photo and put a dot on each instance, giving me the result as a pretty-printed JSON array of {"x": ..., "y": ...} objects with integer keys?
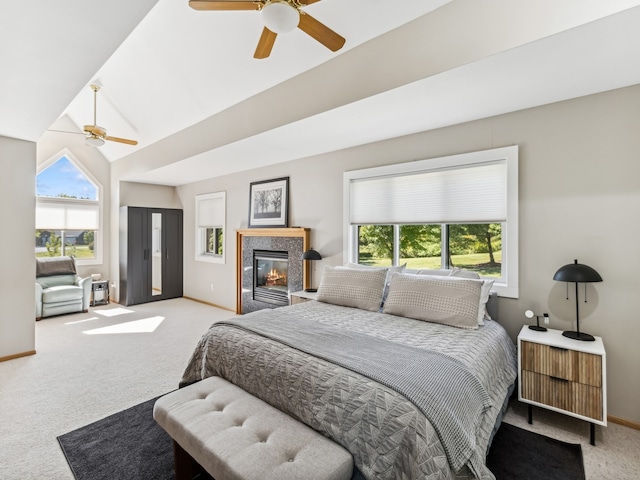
[
  {"x": 478, "y": 262},
  {"x": 79, "y": 251}
]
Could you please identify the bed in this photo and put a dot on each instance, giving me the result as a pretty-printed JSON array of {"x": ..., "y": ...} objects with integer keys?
[{"x": 410, "y": 399}]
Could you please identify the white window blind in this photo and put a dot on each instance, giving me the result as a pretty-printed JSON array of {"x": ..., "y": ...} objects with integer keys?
[
  {"x": 67, "y": 214},
  {"x": 469, "y": 193},
  {"x": 211, "y": 210}
]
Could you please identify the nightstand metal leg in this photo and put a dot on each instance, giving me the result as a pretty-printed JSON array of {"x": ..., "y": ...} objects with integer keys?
[
  {"x": 530, "y": 410},
  {"x": 593, "y": 434}
]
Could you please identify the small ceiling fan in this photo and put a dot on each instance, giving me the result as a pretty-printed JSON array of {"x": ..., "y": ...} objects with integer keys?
[
  {"x": 95, "y": 136},
  {"x": 279, "y": 16}
]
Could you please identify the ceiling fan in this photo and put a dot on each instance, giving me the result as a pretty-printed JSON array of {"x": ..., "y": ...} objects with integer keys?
[
  {"x": 279, "y": 16},
  {"x": 95, "y": 136}
]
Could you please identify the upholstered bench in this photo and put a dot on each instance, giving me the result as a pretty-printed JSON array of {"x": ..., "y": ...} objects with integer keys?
[{"x": 236, "y": 436}]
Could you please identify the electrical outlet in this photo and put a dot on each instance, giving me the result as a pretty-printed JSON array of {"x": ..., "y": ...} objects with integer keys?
[
  {"x": 546, "y": 318},
  {"x": 212, "y": 287}
]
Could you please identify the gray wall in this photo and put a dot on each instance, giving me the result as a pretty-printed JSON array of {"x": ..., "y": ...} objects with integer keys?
[
  {"x": 579, "y": 198},
  {"x": 17, "y": 242}
]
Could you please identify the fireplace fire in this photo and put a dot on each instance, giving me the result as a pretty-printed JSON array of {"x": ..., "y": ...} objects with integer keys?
[{"x": 270, "y": 283}]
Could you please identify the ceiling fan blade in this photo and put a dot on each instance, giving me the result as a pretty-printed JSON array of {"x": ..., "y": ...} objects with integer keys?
[
  {"x": 122, "y": 140},
  {"x": 65, "y": 131},
  {"x": 265, "y": 44},
  {"x": 225, "y": 5},
  {"x": 320, "y": 32},
  {"x": 304, "y": 3}
]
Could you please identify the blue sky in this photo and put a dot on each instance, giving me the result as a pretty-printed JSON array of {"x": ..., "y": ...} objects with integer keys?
[{"x": 63, "y": 177}]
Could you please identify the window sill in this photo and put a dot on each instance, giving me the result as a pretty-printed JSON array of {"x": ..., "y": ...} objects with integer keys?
[{"x": 210, "y": 259}]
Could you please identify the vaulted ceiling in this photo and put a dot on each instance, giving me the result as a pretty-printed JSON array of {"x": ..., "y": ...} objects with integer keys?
[{"x": 184, "y": 83}]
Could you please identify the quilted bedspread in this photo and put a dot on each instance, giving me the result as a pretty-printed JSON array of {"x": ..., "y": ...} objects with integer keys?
[{"x": 388, "y": 435}]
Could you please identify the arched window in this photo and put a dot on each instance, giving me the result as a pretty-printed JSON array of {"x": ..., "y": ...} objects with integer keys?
[{"x": 68, "y": 211}]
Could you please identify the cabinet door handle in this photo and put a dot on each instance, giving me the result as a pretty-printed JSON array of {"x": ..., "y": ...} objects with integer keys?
[{"x": 558, "y": 379}]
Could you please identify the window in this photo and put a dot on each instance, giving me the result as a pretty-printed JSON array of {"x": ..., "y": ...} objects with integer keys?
[
  {"x": 210, "y": 221},
  {"x": 68, "y": 211},
  {"x": 459, "y": 211}
]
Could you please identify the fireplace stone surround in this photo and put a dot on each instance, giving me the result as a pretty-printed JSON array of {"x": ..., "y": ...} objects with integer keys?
[{"x": 293, "y": 240}]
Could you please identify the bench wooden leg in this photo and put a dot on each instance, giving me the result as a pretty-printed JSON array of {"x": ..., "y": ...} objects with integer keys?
[{"x": 186, "y": 467}]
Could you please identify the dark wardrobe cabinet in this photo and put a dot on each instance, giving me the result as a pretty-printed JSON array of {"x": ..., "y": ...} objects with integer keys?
[{"x": 150, "y": 254}]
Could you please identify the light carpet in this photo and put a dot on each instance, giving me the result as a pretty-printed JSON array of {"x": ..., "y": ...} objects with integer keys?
[{"x": 81, "y": 375}]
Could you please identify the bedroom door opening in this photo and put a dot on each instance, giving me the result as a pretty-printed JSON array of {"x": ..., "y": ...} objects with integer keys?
[{"x": 270, "y": 277}]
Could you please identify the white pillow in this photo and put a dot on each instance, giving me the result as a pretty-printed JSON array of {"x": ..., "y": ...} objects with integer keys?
[
  {"x": 439, "y": 299},
  {"x": 484, "y": 295},
  {"x": 352, "y": 287},
  {"x": 429, "y": 271}
]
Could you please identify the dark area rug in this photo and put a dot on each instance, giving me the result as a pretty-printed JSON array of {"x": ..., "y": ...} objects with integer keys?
[
  {"x": 128, "y": 444},
  {"x": 520, "y": 454},
  {"x": 131, "y": 445}
]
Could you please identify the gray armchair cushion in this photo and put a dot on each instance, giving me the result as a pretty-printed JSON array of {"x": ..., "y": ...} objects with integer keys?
[
  {"x": 57, "y": 280},
  {"x": 62, "y": 293}
]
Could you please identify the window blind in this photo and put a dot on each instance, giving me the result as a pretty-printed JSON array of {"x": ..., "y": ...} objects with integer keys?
[
  {"x": 67, "y": 214},
  {"x": 471, "y": 193},
  {"x": 211, "y": 211}
]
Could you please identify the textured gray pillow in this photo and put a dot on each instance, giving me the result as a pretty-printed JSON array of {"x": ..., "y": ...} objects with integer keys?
[
  {"x": 390, "y": 271},
  {"x": 352, "y": 287},
  {"x": 447, "y": 300}
]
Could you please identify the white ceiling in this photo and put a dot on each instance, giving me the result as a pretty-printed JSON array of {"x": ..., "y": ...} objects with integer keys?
[{"x": 180, "y": 68}]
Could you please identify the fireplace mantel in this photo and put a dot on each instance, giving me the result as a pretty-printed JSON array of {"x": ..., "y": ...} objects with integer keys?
[{"x": 295, "y": 232}]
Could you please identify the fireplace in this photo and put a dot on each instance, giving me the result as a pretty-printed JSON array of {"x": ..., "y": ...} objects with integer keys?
[
  {"x": 290, "y": 241},
  {"x": 270, "y": 277}
]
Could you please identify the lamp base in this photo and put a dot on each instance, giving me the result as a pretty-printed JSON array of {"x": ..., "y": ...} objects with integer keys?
[
  {"x": 537, "y": 328},
  {"x": 585, "y": 337},
  {"x": 311, "y": 290}
]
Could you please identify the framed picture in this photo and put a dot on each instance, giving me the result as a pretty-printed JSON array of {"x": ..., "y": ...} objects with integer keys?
[{"x": 269, "y": 203}]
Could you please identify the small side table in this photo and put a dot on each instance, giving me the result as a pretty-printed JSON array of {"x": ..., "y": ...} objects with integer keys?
[
  {"x": 564, "y": 375},
  {"x": 99, "y": 293},
  {"x": 302, "y": 296}
]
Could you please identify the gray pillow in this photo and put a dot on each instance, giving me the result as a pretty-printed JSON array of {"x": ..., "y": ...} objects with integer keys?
[
  {"x": 448, "y": 300},
  {"x": 390, "y": 271},
  {"x": 352, "y": 287}
]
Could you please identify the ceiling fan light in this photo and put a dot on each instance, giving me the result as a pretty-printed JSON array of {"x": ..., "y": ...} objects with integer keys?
[
  {"x": 280, "y": 17},
  {"x": 94, "y": 141}
]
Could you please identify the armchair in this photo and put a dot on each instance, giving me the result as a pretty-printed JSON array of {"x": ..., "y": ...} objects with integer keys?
[{"x": 59, "y": 289}]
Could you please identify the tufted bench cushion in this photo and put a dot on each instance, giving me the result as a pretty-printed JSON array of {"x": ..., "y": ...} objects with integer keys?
[{"x": 236, "y": 436}]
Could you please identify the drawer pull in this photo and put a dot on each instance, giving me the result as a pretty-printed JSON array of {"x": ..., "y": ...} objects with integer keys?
[
  {"x": 559, "y": 348},
  {"x": 558, "y": 379}
]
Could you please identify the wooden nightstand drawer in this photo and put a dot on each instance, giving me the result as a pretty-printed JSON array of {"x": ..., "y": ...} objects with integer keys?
[
  {"x": 562, "y": 363},
  {"x": 553, "y": 391},
  {"x": 587, "y": 401},
  {"x": 547, "y": 360}
]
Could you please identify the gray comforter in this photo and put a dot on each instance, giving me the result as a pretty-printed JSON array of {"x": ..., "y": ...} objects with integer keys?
[{"x": 389, "y": 435}]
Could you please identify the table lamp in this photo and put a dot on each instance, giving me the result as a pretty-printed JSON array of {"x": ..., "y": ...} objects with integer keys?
[
  {"x": 577, "y": 273},
  {"x": 311, "y": 255}
]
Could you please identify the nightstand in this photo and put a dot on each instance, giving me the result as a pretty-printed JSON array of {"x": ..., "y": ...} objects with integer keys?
[
  {"x": 99, "y": 292},
  {"x": 563, "y": 375},
  {"x": 302, "y": 296}
]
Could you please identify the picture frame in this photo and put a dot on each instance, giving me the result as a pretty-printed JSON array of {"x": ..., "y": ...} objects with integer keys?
[{"x": 269, "y": 203}]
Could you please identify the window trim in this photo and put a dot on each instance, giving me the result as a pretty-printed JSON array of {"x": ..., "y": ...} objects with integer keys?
[
  {"x": 200, "y": 232},
  {"x": 98, "y": 238},
  {"x": 509, "y": 284}
]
